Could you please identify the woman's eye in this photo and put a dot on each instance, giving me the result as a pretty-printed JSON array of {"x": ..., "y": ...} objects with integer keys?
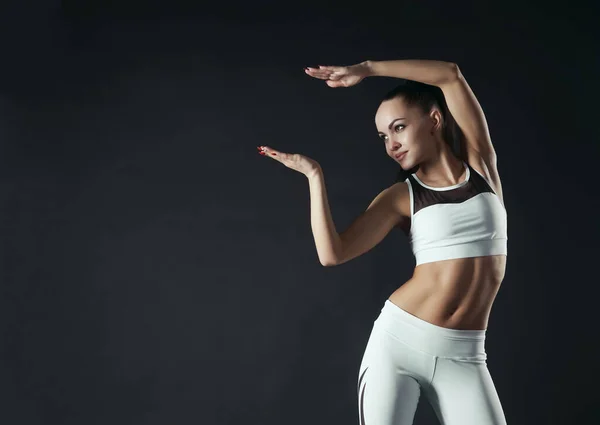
[{"x": 399, "y": 125}]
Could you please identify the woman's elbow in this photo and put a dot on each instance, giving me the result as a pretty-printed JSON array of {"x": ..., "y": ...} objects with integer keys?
[
  {"x": 328, "y": 262},
  {"x": 454, "y": 71},
  {"x": 337, "y": 261}
]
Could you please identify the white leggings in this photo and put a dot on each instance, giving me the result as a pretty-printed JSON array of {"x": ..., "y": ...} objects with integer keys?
[{"x": 405, "y": 354}]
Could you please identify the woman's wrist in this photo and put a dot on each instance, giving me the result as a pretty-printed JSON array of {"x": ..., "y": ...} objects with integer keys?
[
  {"x": 315, "y": 172},
  {"x": 367, "y": 68}
]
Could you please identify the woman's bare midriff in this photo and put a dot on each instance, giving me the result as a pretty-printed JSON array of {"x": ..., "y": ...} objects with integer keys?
[{"x": 455, "y": 294}]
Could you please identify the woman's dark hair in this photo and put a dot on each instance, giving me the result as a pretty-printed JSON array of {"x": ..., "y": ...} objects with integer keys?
[{"x": 426, "y": 96}]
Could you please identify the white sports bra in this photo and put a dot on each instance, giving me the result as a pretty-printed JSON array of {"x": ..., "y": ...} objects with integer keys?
[{"x": 459, "y": 221}]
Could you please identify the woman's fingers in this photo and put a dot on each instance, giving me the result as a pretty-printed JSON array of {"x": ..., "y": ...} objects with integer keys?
[
  {"x": 329, "y": 73},
  {"x": 281, "y": 157},
  {"x": 322, "y": 68},
  {"x": 295, "y": 161},
  {"x": 336, "y": 76},
  {"x": 330, "y": 68},
  {"x": 323, "y": 75},
  {"x": 321, "y": 71},
  {"x": 267, "y": 151}
]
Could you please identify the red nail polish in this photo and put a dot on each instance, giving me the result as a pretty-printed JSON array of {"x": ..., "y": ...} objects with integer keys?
[{"x": 273, "y": 154}]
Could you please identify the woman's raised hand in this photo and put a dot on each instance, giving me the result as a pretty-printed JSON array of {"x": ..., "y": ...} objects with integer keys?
[
  {"x": 295, "y": 161},
  {"x": 340, "y": 76}
]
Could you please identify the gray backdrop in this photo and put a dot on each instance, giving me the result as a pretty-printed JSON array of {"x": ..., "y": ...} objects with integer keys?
[{"x": 157, "y": 270}]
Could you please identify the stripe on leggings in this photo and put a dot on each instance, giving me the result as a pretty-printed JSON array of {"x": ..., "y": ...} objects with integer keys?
[
  {"x": 362, "y": 398},
  {"x": 360, "y": 380}
]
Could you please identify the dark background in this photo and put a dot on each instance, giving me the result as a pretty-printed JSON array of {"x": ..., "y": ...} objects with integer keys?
[{"x": 157, "y": 270}]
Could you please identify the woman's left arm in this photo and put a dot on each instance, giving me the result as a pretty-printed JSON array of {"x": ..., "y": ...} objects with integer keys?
[{"x": 461, "y": 101}]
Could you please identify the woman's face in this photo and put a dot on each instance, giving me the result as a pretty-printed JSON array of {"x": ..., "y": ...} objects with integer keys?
[{"x": 406, "y": 131}]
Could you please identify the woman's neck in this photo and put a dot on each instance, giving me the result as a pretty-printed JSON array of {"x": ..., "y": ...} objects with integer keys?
[{"x": 443, "y": 170}]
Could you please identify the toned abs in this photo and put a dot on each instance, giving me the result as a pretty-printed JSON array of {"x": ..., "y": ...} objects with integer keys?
[{"x": 456, "y": 294}]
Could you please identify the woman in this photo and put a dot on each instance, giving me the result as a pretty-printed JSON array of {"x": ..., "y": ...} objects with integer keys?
[{"x": 430, "y": 334}]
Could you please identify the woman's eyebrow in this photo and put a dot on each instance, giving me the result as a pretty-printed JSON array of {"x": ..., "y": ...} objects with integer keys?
[
  {"x": 390, "y": 126},
  {"x": 392, "y": 123}
]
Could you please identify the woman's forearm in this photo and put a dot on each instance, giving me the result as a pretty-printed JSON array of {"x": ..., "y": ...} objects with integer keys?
[
  {"x": 327, "y": 240},
  {"x": 430, "y": 72}
]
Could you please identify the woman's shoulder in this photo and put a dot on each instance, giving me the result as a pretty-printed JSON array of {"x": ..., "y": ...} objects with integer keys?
[
  {"x": 399, "y": 187},
  {"x": 400, "y": 195}
]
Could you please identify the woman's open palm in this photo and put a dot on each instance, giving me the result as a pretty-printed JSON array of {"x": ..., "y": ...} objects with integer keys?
[
  {"x": 295, "y": 161},
  {"x": 339, "y": 76}
]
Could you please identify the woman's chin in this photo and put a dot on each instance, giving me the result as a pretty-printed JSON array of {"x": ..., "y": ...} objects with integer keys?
[
  {"x": 409, "y": 167},
  {"x": 406, "y": 165}
]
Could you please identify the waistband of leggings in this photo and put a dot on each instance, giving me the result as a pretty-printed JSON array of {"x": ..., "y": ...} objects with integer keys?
[{"x": 430, "y": 338}]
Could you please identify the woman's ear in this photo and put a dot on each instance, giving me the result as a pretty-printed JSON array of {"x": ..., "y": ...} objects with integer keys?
[{"x": 437, "y": 120}]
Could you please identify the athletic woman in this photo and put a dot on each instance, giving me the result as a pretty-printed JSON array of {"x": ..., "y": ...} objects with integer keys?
[{"x": 430, "y": 335}]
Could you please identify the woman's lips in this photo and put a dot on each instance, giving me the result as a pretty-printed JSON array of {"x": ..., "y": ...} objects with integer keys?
[{"x": 400, "y": 156}]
